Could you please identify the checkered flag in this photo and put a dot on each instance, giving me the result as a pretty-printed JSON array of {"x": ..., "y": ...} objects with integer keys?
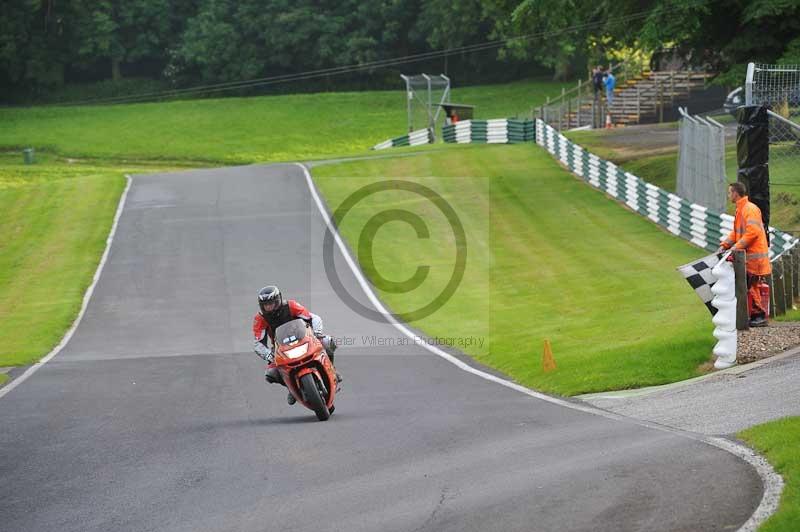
[{"x": 698, "y": 274}]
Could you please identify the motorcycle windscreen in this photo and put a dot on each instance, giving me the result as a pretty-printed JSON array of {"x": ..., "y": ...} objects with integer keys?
[{"x": 290, "y": 332}]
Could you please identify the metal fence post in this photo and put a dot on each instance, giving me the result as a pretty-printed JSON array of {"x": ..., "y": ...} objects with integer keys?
[
  {"x": 602, "y": 116},
  {"x": 796, "y": 271},
  {"x": 780, "y": 293},
  {"x": 787, "y": 280},
  {"x": 771, "y": 283},
  {"x": 638, "y": 104},
  {"x": 545, "y": 109},
  {"x": 569, "y": 114},
  {"x": 671, "y": 86}
]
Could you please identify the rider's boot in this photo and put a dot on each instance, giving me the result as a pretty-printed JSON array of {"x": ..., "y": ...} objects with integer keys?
[
  {"x": 330, "y": 352},
  {"x": 273, "y": 376},
  {"x": 330, "y": 348}
]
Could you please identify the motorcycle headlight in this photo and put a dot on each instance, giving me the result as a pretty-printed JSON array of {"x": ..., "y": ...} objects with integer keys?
[{"x": 296, "y": 352}]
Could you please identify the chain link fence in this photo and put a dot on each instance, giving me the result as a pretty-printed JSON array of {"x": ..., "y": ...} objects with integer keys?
[
  {"x": 784, "y": 149},
  {"x": 777, "y": 87},
  {"x": 701, "y": 161},
  {"x": 784, "y": 167}
]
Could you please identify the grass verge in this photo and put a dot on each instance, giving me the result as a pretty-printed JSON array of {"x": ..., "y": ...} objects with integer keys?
[
  {"x": 549, "y": 258},
  {"x": 778, "y": 441},
  {"x": 58, "y": 212},
  {"x": 244, "y": 130},
  {"x": 791, "y": 315},
  {"x": 56, "y": 218},
  {"x": 658, "y": 164}
]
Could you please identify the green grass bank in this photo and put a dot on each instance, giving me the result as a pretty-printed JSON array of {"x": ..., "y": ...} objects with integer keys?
[
  {"x": 57, "y": 213},
  {"x": 549, "y": 258},
  {"x": 244, "y": 130},
  {"x": 56, "y": 218},
  {"x": 658, "y": 164},
  {"x": 778, "y": 441}
]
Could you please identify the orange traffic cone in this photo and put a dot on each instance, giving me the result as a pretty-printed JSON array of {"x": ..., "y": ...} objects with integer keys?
[
  {"x": 548, "y": 362},
  {"x": 609, "y": 125}
]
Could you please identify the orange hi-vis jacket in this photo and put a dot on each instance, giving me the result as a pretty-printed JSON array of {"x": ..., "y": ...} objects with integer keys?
[{"x": 749, "y": 234}]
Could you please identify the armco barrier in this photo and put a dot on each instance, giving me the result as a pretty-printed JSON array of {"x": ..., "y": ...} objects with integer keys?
[
  {"x": 688, "y": 220},
  {"x": 496, "y": 131},
  {"x": 415, "y": 138}
]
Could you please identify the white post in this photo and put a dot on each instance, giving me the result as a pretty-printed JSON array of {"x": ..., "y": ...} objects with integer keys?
[
  {"x": 748, "y": 85},
  {"x": 724, "y": 301}
]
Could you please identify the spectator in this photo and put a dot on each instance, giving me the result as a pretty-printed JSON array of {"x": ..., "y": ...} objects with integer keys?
[
  {"x": 451, "y": 117},
  {"x": 597, "y": 81},
  {"x": 610, "y": 83},
  {"x": 749, "y": 235}
]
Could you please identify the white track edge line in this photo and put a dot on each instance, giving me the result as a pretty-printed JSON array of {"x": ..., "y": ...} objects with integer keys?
[
  {"x": 86, "y": 297},
  {"x": 772, "y": 481}
]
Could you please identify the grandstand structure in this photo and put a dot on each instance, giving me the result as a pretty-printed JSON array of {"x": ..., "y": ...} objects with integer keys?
[{"x": 641, "y": 96}]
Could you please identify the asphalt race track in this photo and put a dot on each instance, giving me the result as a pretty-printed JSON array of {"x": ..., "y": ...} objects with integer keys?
[{"x": 155, "y": 416}]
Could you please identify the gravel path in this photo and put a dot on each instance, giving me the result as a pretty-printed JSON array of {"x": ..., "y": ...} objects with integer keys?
[
  {"x": 762, "y": 342},
  {"x": 720, "y": 404}
]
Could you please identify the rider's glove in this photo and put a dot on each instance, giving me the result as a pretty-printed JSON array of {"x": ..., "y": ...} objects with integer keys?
[
  {"x": 316, "y": 325},
  {"x": 264, "y": 352}
]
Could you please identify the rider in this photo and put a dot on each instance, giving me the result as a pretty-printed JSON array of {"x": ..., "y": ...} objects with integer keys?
[{"x": 274, "y": 311}]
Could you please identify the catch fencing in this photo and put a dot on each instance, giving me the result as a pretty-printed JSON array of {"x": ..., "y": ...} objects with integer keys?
[
  {"x": 696, "y": 223},
  {"x": 775, "y": 86},
  {"x": 701, "y": 161},
  {"x": 784, "y": 155}
]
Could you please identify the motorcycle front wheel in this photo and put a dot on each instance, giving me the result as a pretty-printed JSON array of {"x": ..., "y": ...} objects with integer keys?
[{"x": 308, "y": 383}]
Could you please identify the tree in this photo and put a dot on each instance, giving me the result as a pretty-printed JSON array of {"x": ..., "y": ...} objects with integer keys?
[
  {"x": 247, "y": 39},
  {"x": 121, "y": 32},
  {"x": 558, "y": 33},
  {"x": 32, "y": 35}
]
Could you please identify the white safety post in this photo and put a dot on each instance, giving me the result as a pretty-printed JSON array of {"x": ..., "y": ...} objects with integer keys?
[{"x": 724, "y": 320}]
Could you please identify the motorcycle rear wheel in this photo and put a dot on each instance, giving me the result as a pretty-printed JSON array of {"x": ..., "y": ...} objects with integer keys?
[{"x": 308, "y": 383}]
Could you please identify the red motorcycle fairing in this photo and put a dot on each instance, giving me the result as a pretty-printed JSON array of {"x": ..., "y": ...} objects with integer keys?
[{"x": 314, "y": 361}]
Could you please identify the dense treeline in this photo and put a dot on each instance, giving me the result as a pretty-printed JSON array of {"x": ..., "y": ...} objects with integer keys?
[{"x": 178, "y": 43}]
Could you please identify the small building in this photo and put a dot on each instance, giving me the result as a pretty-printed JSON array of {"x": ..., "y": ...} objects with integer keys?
[{"x": 455, "y": 112}]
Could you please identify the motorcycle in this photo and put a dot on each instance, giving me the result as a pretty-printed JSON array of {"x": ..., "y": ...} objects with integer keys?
[{"x": 305, "y": 367}]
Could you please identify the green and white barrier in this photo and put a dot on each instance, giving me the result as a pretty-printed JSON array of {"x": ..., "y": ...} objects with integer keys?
[
  {"x": 693, "y": 222},
  {"x": 496, "y": 131},
  {"x": 415, "y": 138}
]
